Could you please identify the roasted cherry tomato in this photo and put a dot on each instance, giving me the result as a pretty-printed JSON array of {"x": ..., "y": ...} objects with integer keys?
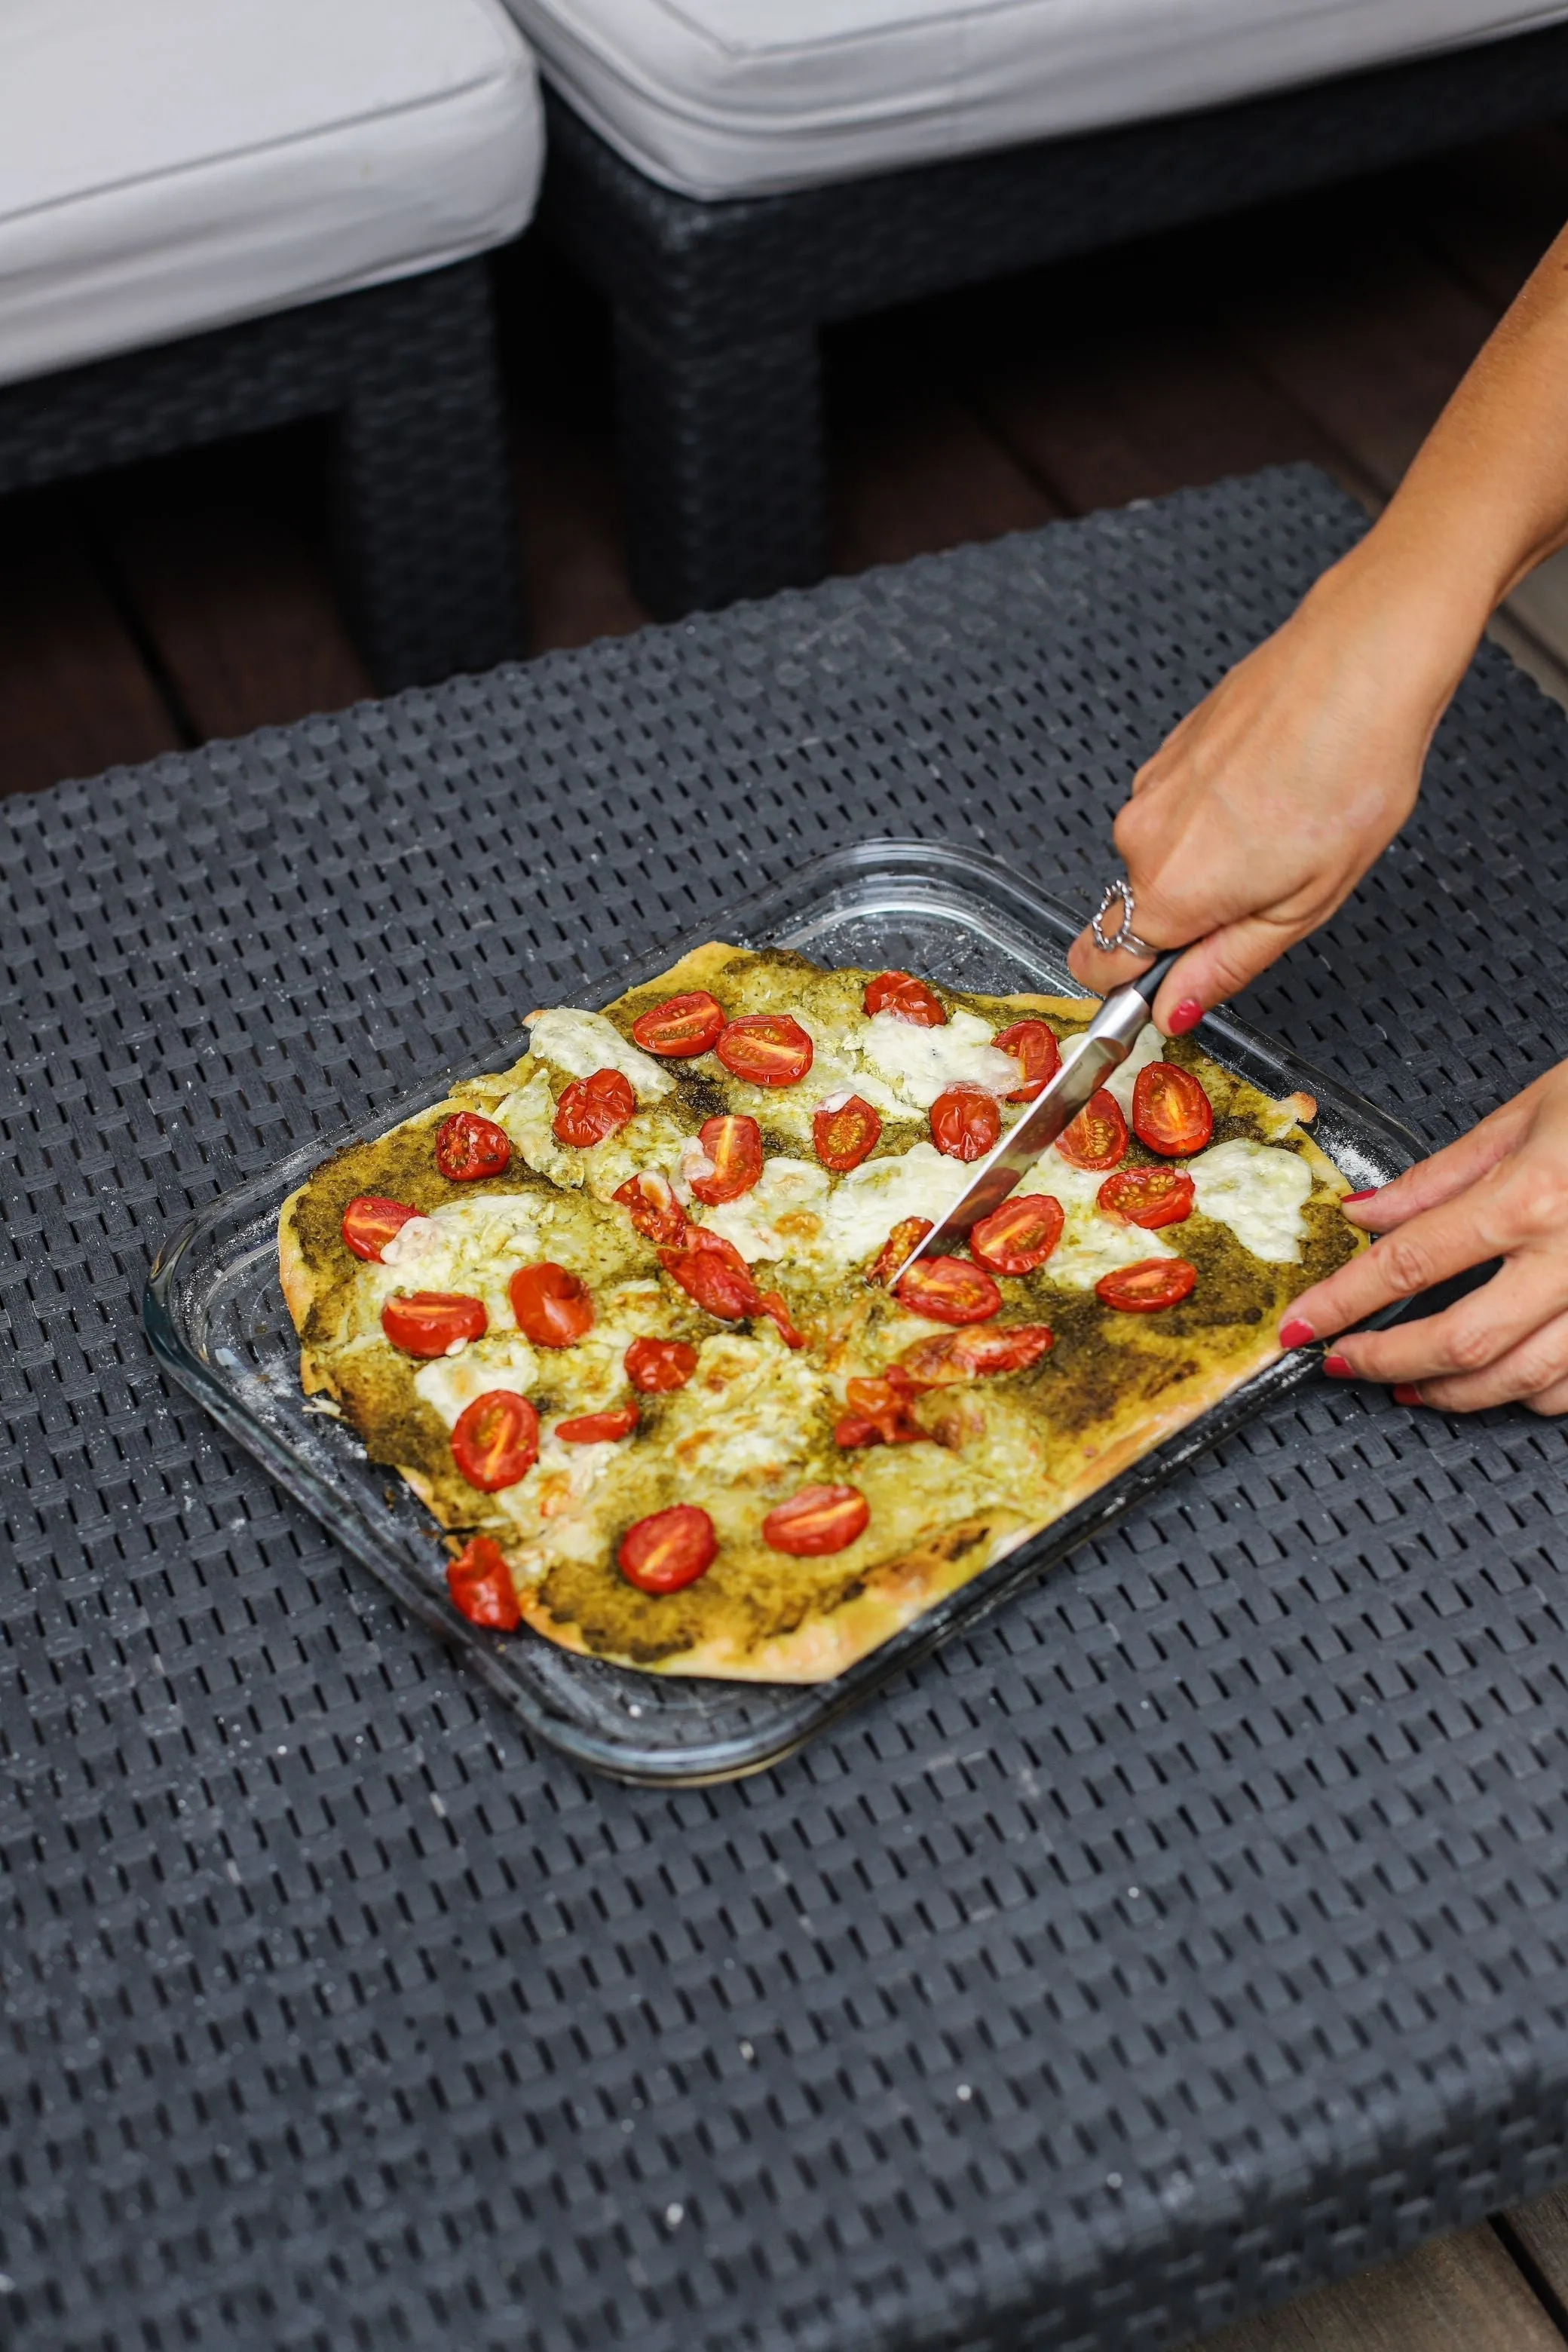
[
  {"x": 817, "y": 1520},
  {"x": 371, "y": 1222},
  {"x": 964, "y": 1122},
  {"x": 656, "y": 1364},
  {"x": 468, "y": 1146},
  {"x": 667, "y": 1550},
  {"x": 1171, "y": 1112},
  {"x": 906, "y": 1235},
  {"x": 599, "y": 1428},
  {"x": 733, "y": 1145},
  {"x": 480, "y": 1582},
  {"x": 590, "y": 1110},
  {"x": 1149, "y": 1197},
  {"x": 1034, "y": 1047},
  {"x": 681, "y": 1026},
  {"x": 844, "y": 1136},
  {"x": 973, "y": 1354},
  {"x": 773, "y": 1307},
  {"x": 1153, "y": 1283},
  {"x": 653, "y": 1208},
  {"x": 1098, "y": 1136},
  {"x": 1019, "y": 1235},
  {"x": 770, "y": 1049},
  {"x": 719, "y": 1283},
  {"x": 912, "y": 1000},
  {"x": 950, "y": 1290},
  {"x": 551, "y": 1306},
  {"x": 496, "y": 1441},
  {"x": 879, "y": 1412},
  {"x": 432, "y": 1322}
]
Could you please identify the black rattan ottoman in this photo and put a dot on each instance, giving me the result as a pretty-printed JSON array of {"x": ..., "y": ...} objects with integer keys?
[
  {"x": 422, "y": 514},
  {"x": 719, "y": 306},
  {"x": 1194, "y": 1929}
]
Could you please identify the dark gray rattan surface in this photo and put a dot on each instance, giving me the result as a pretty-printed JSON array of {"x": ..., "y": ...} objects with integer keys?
[
  {"x": 718, "y": 304},
  {"x": 421, "y": 485},
  {"x": 1194, "y": 1929}
]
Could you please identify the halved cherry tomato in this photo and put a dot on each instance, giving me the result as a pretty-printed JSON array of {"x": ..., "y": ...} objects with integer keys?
[
  {"x": 681, "y": 1026},
  {"x": 1171, "y": 1112},
  {"x": 599, "y": 1428},
  {"x": 1098, "y": 1136},
  {"x": 480, "y": 1582},
  {"x": 975, "y": 1355},
  {"x": 669, "y": 1548},
  {"x": 1019, "y": 1235},
  {"x": 370, "y": 1223},
  {"x": 553, "y": 1308},
  {"x": 912, "y": 1000},
  {"x": 432, "y": 1322},
  {"x": 950, "y": 1290},
  {"x": 1149, "y": 1197},
  {"x": 879, "y": 1412},
  {"x": 770, "y": 1049},
  {"x": 496, "y": 1440},
  {"x": 964, "y": 1122},
  {"x": 1153, "y": 1283},
  {"x": 656, "y": 1364},
  {"x": 844, "y": 1136},
  {"x": 590, "y": 1110},
  {"x": 733, "y": 1143},
  {"x": 772, "y": 1303},
  {"x": 722, "y": 1286},
  {"x": 817, "y": 1520},
  {"x": 1034, "y": 1047},
  {"x": 468, "y": 1146},
  {"x": 653, "y": 1208},
  {"x": 906, "y": 1235}
]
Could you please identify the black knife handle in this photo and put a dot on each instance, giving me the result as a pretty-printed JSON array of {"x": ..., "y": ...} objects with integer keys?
[{"x": 1148, "y": 982}]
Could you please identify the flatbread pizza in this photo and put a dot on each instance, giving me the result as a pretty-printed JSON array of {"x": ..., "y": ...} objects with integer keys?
[{"x": 620, "y": 1314}]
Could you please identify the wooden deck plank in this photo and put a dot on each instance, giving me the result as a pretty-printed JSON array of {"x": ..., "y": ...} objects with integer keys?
[
  {"x": 575, "y": 581},
  {"x": 1458, "y": 2294},
  {"x": 1538, "y": 2234},
  {"x": 924, "y": 474},
  {"x": 75, "y": 695}
]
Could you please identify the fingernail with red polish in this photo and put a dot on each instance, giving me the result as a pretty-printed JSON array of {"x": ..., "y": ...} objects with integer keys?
[
  {"x": 1407, "y": 1393},
  {"x": 1187, "y": 1015},
  {"x": 1295, "y": 1333},
  {"x": 1367, "y": 1193},
  {"x": 1338, "y": 1368}
]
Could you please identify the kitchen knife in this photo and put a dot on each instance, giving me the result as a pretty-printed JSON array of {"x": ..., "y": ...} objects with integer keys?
[{"x": 1103, "y": 1047}]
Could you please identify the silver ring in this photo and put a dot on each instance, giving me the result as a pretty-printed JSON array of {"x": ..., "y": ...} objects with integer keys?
[{"x": 1118, "y": 892}]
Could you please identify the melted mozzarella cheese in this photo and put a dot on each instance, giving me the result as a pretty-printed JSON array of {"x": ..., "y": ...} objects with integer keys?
[
  {"x": 470, "y": 1247},
  {"x": 781, "y": 1217},
  {"x": 527, "y": 1114},
  {"x": 868, "y": 1202},
  {"x": 1149, "y": 1047},
  {"x": 582, "y": 1043},
  {"x": 1258, "y": 1190},
  {"x": 448, "y": 1386},
  {"x": 1092, "y": 1244},
  {"x": 921, "y": 1064}
]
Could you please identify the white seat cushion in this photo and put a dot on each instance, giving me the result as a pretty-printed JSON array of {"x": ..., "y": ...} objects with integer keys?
[
  {"x": 172, "y": 164},
  {"x": 721, "y": 98}
]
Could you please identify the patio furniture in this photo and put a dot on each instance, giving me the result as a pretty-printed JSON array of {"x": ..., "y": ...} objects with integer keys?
[
  {"x": 736, "y": 178},
  {"x": 1189, "y": 1932},
  {"x": 216, "y": 221}
]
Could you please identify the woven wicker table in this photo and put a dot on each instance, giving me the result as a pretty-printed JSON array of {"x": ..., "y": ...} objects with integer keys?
[{"x": 1194, "y": 1929}]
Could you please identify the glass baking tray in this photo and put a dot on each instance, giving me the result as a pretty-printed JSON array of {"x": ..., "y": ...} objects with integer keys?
[{"x": 215, "y": 1318}]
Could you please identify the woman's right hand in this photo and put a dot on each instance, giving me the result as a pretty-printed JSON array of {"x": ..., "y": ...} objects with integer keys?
[{"x": 1267, "y": 804}]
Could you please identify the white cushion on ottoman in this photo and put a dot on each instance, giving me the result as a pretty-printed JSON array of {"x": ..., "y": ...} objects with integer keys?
[
  {"x": 171, "y": 164},
  {"x": 721, "y": 98}
]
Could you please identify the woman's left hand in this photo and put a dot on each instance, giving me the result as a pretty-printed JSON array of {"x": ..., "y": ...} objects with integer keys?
[{"x": 1502, "y": 1191}]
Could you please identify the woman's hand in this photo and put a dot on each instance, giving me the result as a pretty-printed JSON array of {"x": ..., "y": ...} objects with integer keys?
[
  {"x": 1501, "y": 1192},
  {"x": 1265, "y": 807}
]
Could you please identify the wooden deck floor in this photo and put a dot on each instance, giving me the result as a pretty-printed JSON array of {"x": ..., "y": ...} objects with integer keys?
[{"x": 191, "y": 598}]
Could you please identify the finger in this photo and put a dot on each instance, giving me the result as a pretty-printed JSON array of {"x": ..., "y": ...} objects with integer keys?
[
  {"x": 1551, "y": 1400},
  {"x": 1469, "y": 1338},
  {"x": 1444, "y": 1240},
  {"x": 1099, "y": 973},
  {"x": 1221, "y": 966},
  {"x": 1434, "y": 1181},
  {"x": 1535, "y": 1367}
]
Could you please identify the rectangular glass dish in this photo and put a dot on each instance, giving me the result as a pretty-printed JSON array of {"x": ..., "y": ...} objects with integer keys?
[{"x": 215, "y": 1316}]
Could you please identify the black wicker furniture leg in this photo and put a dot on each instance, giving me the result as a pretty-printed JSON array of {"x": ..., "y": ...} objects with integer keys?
[
  {"x": 718, "y": 305},
  {"x": 422, "y": 494}
]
